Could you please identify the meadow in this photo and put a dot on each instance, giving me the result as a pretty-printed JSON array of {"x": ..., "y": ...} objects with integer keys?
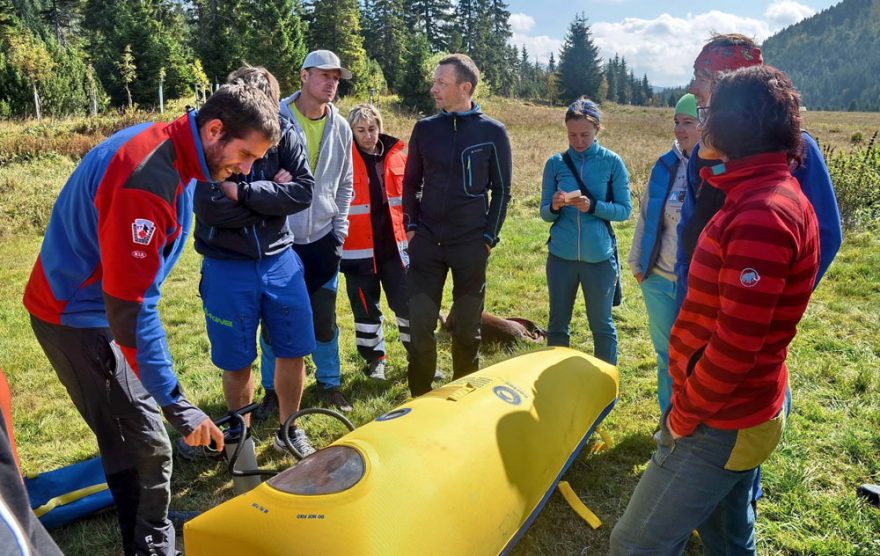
[{"x": 831, "y": 445}]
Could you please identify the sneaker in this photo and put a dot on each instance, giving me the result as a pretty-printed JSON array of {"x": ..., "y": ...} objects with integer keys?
[
  {"x": 267, "y": 407},
  {"x": 334, "y": 398},
  {"x": 438, "y": 376},
  {"x": 297, "y": 438},
  {"x": 376, "y": 369}
]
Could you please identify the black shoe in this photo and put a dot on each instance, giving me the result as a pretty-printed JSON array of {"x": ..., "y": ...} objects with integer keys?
[
  {"x": 268, "y": 407},
  {"x": 334, "y": 398}
]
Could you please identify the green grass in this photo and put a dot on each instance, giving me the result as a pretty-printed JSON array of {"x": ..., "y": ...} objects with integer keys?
[{"x": 831, "y": 446}]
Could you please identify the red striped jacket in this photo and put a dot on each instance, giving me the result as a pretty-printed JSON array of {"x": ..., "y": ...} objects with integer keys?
[{"x": 749, "y": 283}]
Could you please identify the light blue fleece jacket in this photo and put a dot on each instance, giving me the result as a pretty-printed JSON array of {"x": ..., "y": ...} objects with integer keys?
[{"x": 583, "y": 236}]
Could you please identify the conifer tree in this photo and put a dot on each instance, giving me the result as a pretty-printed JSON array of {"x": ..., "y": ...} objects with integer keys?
[
  {"x": 336, "y": 25},
  {"x": 415, "y": 86},
  {"x": 432, "y": 18},
  {"x": 579, "y": 66},
  {"x": 385, "y": 37}
]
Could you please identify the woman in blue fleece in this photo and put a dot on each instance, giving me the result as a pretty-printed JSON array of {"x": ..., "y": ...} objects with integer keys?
[
  {"x": 582, "y": 250},
  {"x": 655, "y": 241}
]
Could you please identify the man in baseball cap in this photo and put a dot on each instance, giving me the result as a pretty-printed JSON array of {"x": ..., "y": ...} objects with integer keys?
[{"x": 325, "y": 60}]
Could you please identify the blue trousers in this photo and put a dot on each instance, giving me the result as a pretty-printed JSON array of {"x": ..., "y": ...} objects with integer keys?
[
  {"x": 326, "y": 355},
  {"x": 597, "y": 282},
  {"x": 659, "y": 295},
  {"x": 703, "y": 481}
]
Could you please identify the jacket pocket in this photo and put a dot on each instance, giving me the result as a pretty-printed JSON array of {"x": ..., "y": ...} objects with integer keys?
[
  {"x": 475, "y": 162},
  {"x": 755, "y": 444}
]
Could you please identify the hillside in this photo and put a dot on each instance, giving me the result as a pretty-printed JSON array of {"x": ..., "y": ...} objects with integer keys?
[{"x": 833, "y": 57}]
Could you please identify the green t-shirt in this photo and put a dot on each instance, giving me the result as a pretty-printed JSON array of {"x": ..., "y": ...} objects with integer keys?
[{"x": 314, "y": 130}]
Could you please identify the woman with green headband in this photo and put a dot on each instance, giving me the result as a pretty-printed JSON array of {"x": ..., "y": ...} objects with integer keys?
[{"x": 652, "y": 256}]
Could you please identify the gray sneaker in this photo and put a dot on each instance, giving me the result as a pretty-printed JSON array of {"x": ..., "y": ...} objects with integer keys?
[
  {"x": 297, "y": 438},
  {"x": 438, "y": 375},
  {"x": 376, "y": 369}
]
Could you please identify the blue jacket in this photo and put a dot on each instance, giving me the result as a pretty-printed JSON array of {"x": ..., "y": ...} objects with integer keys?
[
  {"x": 455, "y": 160},
  {"x": 256, "y": 224},
  {"x": 815, "y": 181},
  {"x": 659, "y": 187},
  {"x": 578, "y": 236},
  {"x": 117, "y": 228}
]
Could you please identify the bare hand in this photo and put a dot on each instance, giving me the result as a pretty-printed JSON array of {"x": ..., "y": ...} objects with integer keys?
[
  {"x": 283, "y": 176},
  {"x": 675, "y": 436},
  {"x": 230, "y": 189},
  {"x": 410, "y": 235},
  {"x": 581, "y": 203},
  {"x": 639, "y": 277},
  {"x": 558, "y": 200},
  {"x": 204, "y": 433}
]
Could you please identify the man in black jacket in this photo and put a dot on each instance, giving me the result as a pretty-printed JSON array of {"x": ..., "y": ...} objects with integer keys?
[
  {"x": 456, "y": 158},
  {"x": 251, "y": 275}
]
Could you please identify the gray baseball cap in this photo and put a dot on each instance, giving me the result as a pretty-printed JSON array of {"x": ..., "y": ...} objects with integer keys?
[{"x": 326, "y": 60}]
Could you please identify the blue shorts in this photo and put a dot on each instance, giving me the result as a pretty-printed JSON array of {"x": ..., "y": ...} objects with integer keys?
[{"x": 238, "y": 294}]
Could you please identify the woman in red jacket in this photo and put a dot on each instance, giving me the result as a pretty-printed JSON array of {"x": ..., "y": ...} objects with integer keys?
[
  {"x": 375, "y": 252},
  {"x": 750, "y": 279}
]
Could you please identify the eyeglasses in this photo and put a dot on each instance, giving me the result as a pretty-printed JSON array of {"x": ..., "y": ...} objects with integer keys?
[{"x": 702, "y": 114}]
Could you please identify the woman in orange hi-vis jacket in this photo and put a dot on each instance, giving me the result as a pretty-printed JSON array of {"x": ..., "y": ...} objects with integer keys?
[{"x": 374, "y": 255}]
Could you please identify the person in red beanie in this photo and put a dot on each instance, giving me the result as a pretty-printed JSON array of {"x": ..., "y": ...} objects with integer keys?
[{"x": 751, "y": 277}]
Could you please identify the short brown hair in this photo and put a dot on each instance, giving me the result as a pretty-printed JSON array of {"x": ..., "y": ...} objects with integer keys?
[
  {"x": 754, "y": 110},
  {"x": 259, "y": 77},
  {"x": 731, "y": 39},
  {"x": 465, "y": 69},
  {"x": 242, "y": 109}
]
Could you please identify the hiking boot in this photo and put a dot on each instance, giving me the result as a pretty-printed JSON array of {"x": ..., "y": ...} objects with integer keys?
[
  {"x": 297, "y": 438},
  {"x": 196, "y": 453},
  {"x": 334, "y": 398},
  {"x": 267, "y": 407},
  {"x": 376, "y": 369}
]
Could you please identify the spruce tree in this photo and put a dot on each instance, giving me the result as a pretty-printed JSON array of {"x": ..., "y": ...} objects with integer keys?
[
  {"x": 432, "y": 18},
  {"x": 579, "y": 67},
  {"x": 276, "y": 40},
  {"x": 415, "y": 86},
  {"x": 336, "y": 25},
  {"x": 385, "y": 37}
]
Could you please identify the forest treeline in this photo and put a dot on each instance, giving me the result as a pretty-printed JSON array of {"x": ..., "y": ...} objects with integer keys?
[{"x": 73, "y": 57}]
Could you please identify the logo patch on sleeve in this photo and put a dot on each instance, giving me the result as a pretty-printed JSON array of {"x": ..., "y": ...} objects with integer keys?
[
  {"x": 749, "y": 277},
  {"x": 142, "y": 231}
]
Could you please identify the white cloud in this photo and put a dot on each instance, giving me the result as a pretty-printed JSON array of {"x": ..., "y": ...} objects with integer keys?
[
  {"x": 538, "y": 47},
  {"x": 664, "y": 47},
  {"x": 521, "y": 23},
  {"x": 783, "y": 13}
]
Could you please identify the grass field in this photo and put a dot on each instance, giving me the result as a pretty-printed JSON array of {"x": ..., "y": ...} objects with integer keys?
[{"x": 831, "y": 446}]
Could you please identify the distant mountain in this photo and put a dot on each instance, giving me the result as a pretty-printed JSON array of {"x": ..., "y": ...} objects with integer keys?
[{"x": 833, "y": 58}]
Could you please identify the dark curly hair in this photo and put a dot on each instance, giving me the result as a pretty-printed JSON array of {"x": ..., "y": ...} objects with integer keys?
[{"x": 754, "y": 110}]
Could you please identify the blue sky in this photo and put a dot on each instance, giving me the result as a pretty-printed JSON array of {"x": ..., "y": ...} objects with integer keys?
[{"x": 660, "y": 39}]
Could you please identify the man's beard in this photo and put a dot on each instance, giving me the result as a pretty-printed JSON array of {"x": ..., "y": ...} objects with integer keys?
[{"x": 214, "y": 160}]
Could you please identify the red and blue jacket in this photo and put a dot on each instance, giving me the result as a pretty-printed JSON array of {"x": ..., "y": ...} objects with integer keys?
[{"x": 116, "y": 230}]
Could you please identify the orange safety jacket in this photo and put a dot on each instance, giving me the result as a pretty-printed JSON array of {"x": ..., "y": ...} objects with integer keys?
[{"x": 359, "y": 243}]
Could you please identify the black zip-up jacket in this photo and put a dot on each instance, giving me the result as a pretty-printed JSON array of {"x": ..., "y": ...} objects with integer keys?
[
  {"x": 256, "y": 225},
  {"x": 455, "y": 159}
]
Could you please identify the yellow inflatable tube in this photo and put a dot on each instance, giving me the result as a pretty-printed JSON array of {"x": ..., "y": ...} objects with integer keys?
[{"x": 464, "y": 469}]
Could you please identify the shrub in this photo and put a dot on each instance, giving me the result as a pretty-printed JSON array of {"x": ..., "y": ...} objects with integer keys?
[{"x": 856, "y": 179}]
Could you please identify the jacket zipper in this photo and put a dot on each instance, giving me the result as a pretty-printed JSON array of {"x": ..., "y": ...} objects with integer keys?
[{"x": 451, "y": 165}]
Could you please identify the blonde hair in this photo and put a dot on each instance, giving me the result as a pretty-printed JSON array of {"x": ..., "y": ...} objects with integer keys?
[{"x": 366, "y": 112}]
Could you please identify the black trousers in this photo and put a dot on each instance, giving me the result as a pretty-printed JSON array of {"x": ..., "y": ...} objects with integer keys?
[
  {"x": 364, "y": 293},
  {"x": 429, "y": 265},
  {"x": 135, "y": 449}
]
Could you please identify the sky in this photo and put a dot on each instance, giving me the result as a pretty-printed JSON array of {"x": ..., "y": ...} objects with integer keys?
[{"x": 660, "y": 39}]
